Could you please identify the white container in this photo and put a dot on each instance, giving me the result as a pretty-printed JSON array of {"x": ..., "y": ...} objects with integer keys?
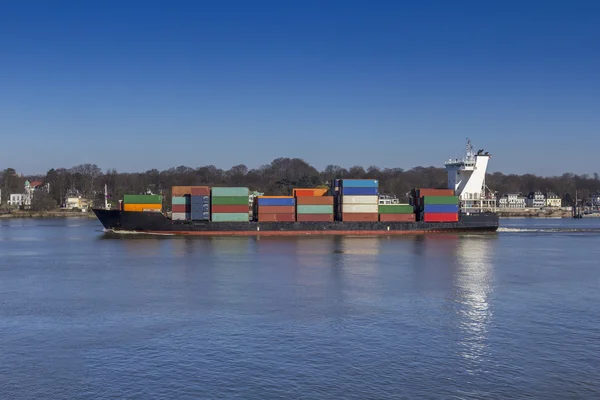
[
  {"x": 360, "y": 199},
  {"x": 181, "y": 216},
  {"x": 360, "y": 208}
]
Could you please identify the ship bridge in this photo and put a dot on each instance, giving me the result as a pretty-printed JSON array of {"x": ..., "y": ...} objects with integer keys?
[{"x": 466, "y": 177}]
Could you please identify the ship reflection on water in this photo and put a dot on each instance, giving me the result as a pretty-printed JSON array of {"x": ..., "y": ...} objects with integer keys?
[{"x": 473, "y": 287}]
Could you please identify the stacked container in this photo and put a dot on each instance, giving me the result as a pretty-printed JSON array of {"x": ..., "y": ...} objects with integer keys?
[
  {"x": 230, "y": 204},
  {"x": 309, "y": 192},
  {"x": 275, "y": 209},
  {"x": 181, "y": 203},
  {"x": 440, "y": 208},
  {"x": 200, "y": 203},
  {"x": 359, "y": 200},
  {"x": 142, "y": 202},
  {"x": 396, "y": 213},
  {"x": 314, "y": 208}
]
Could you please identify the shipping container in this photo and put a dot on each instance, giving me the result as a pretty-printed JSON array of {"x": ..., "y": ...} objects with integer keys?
[
  {"x": 179, "y": 191},
  {"x": 421, "y": 192},
  {"x": 441, "y": 208},
  {"x": 181, "y": 208},
  {"x": 440, "y": 217},
  {"x": 230, "y": 192},
  {"x": 310, "y": 200},
  {"x": 200, "y": 216},
  {"x": 200, "y": 191},
  {"x": 360, "y": 191},
  {"x": 276, "y": 201},
  {"x": 229, "y": 208},
  {"x": 360, "y": 199},
  {"x": 276, "y": 217},
  {"x": 230, "y": 200},
  {"x": 200, "y": 207},
  {"x": 309, "y": 192},
  {"x": 200, "y": 199},
  {"x": 396, "y": 209},
  {"x": 141, "y": 207},
  {"x": 230, "y": 217},
  {"x": 142, "y": 199},
  {"x": 440, "y": 200},
  {"x": 314, "y": 217},
  {"x": 276, "y": 209},
  {"x": 397, "y": 217},
  {"x": 360, "y": 217},
  {"x": 181, "y": 200},
  {"x": 360, "y": 208},
  {"x": 180, "y": 216},
  {"x": 314, "y": 209},
  {"x": 360, "y": 183}
]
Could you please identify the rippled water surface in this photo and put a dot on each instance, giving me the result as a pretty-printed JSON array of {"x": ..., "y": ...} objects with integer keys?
[{"x": 506, "y": 315}]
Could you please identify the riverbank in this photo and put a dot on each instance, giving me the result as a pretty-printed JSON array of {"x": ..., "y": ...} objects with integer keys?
[{"x": 47, "y": 214}]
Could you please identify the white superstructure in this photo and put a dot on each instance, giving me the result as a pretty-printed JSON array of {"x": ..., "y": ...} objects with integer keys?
[{"x": 467, "y": 177}]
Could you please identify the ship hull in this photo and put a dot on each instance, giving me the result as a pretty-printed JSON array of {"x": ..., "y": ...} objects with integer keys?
[{"x": 156, "y": 223}]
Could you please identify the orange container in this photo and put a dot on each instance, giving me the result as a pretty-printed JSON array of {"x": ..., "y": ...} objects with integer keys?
[
  {"x": 314, "y": 218},
  {"x": 315, "y": 192},
  {"x": 142, "y": 207},
  {"x": 200, "y": 191},
  {"x": 276, "y": 209},
  {"x": 276, "y": 217},
  {"x": 178, "y": 191},
  {"x": 314, "y": 201},
  {"x": 397, "y": 217},
  {"x": 360, "y": 217}
]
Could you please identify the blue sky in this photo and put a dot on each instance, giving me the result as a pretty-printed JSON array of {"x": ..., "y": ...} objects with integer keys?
[{"x": 136, "y": 85}]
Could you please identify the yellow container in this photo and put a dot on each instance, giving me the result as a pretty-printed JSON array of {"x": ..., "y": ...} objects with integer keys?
[{"x": 142, "y": 207}]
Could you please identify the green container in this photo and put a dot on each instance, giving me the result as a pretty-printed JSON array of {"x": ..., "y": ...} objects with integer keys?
[
  {"x": 395, "y": 209},
  {"x": 229, "y": 200},
  {"x": 142, "y": 199},
  {"x": 440, "y": 200},
  {"x": 181, "y": 200},
  {"x": 230, "y": 192},
  {"x": 315, "y": 209},
  {"x": 230, "y": 217}
]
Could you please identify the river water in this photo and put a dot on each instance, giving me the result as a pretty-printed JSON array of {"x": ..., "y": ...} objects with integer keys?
[{"x": 507, "y": 315}]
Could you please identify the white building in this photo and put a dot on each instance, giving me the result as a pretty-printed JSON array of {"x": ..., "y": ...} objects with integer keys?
[
  {"x": 20, "y": 199},
  {"x": 553, "y": 201},
  {"x": 596, "y": 200},
  {"x": 512, "y": 200},
  {"x": 536, "y": 199}
]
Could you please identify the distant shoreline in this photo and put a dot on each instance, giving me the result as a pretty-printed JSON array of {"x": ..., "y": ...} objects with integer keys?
[{"x": 47, "y": 214}]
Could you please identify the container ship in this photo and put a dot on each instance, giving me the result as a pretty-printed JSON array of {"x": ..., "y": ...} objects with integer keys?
[{"x": 342, "y": 207}]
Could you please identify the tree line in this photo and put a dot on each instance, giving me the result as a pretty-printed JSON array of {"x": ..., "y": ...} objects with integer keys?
[{"x": 275, "y": 178}]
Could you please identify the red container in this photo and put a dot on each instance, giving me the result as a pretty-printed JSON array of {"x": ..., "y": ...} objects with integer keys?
[
  {"x": 276, "y": 209},
  {"x": 397, "y": 217},
  {"x": 435, "y": 192},
  {"x": 276, "y": 217},
  {"x": 314, "y": 200},
  {"x": 229, "y": 208},
  {"x": 440, "y": 217},
  {"x": 200, "y": 191},
  {"x": 314, "y": 218},
  {"x": 180, "y": 208},
  {"x": 360, "y": 217}
]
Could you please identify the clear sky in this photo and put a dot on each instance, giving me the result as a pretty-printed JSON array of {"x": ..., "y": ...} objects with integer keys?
[{"x": 136, "y": 85}]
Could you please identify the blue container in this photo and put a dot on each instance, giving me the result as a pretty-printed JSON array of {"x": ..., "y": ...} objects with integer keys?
[
  {"x": 360, "y": 191},
  {"x": 200, "y": 207},
  {"x": 276, "y": 201},
  {"x": 441, "y": 208},
  {"x": 200, "y": 216},
  {"x": 360, "y": 183},
  {"x": 200, "y": 199}
]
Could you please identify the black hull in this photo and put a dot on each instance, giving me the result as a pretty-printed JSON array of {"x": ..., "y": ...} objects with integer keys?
[{"x": 157, "y": 223}]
